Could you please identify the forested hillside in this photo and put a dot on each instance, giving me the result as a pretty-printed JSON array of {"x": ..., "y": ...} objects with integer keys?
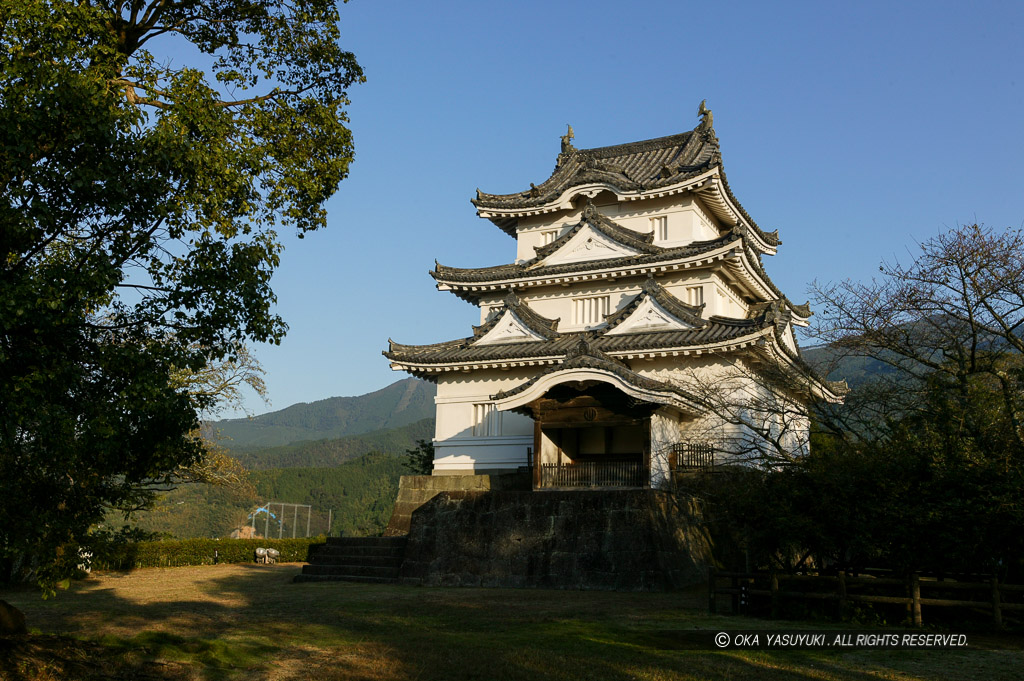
[
  {"x": 342, "y": 456},
  {"x": 324, "y": 453},
  {"x": 856, "y": 370},
  {"x": 359, "y": 494},
  {"x": 399, "y": 404}
]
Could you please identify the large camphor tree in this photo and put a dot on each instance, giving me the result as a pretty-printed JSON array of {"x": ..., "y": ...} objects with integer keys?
[{"x": 140, "y": 198}]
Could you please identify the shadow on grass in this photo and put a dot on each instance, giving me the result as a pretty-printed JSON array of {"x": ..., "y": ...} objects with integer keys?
[{"x": 251, "y": 622}]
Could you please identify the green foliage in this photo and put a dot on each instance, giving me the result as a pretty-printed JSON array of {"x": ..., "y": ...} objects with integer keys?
[
  {"x": 923, "y": 467},
  {"x": 400, "y": 404},
  {"x": 181, "y": 552},
  {"x": 359, "y": 494},
  {"x": 329, "y": 453},
  {"x": 196, "y": 510},
  {"x": 421, "y": 458},
  {"x": 931, "y": 495},
  {"x": 138, "y": 209}
]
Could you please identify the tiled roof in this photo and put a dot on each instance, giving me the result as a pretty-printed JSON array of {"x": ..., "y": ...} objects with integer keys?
[
  {"x": 804, "y": 311},
  {"x": 560, "y": 348},
  {"x": 534, "y": 268},
  {"x": 463, "y": 351},
  {"x": 630, "y": 167},
  {"x": 644, "y": 166}
]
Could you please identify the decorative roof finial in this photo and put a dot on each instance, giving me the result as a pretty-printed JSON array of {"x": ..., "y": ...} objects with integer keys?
[
  {"x": 567, "y": 139},
  {"x": 705, "y": 114}
]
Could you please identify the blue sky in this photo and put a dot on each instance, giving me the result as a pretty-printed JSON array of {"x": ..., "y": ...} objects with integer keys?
[{"x": 855, "y": 129}]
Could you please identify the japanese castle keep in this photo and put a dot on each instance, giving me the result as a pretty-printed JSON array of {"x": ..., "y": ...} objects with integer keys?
[{"x": 633, "y": 335}]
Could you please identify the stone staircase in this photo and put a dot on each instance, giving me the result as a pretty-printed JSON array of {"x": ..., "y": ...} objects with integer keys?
[{"x": 356, "y": 559}]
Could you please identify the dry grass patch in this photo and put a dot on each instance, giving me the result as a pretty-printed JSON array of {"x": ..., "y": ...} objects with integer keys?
[{"x": 250, "y": 622}]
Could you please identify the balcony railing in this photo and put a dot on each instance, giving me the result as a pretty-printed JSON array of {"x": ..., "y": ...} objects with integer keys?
[
  {"x": 594, "y": 474},
  {"x": 691, "y": 455}
]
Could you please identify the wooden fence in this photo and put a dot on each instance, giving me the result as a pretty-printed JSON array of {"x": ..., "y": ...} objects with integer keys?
[
  {"x": 842, "y": 589},
  {"x": 594, "y": 474},
  {"x": 691, "y": 455}
]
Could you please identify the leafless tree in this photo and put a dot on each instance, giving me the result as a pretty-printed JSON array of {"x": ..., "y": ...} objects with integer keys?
[
  {"x": 954, "y": 313},
  {"x": 758, "y": 407}
]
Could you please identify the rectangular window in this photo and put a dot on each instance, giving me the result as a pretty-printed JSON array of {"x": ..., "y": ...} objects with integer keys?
[
  {"x": 590, "y": 311},
  {"x": 659, "y": 225},
  {"x": 548, "y": 236},
  {"x": 486, "y": 420},
  {"x": 695, "y": 295}
]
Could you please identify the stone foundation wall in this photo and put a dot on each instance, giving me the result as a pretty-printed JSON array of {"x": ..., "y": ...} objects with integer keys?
[
  {"x": 416, "y": 490},
  {"x": 622, "y": 540}
]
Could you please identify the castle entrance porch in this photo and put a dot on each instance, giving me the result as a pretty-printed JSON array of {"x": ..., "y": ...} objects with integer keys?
[{"x": 589, "y": 434}]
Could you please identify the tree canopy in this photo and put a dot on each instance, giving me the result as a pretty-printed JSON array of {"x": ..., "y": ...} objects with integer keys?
[
  {"x": 140, "y": 198},
  {"x": 923, "y": 467},
  {"x": 949, "y": 322}
]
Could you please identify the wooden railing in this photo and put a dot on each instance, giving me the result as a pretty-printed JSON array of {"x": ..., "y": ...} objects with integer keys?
[
  {"x": 691, "y": 455},
  {"x": 841, "y": 589},
  {"x": 594, "y": 474}
]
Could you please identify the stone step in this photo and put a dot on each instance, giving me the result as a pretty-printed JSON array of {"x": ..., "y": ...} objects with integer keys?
[
  {"x": 356, "y": 559},
  {"x": 351, "y": 570},
  {"x": 348, "y": 559},
  {"x": 343, "y": 578},
  {"x": 368, "y": 542},
  {"x": 367, "y": 551}
]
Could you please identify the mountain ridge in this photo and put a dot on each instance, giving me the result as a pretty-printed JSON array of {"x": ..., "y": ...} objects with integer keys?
[{"x": 400, "y": 404}]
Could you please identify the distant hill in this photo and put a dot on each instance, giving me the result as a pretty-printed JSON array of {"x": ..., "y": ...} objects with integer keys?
[
  {"x": 400, "y": 404},
  {"x": 856, "y": 369},
  {"x": 329, "y": 453}
]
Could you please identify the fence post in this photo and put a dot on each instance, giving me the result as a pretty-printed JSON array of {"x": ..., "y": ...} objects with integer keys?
[
  {"x": 997, "y": 609},
  {"x": 842, "y": 594},
  {"x": 712, "y": 586},
  {"x": 915, "y": 596},
  {"x": 735, "y": 595},
  {"x": 775, "y": 594}
]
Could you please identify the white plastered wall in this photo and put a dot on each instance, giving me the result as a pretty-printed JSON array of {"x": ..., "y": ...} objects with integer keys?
[
  {"x": 556, "y": 302},
  {"x": 667, "y": 428},
  {"x": 688, "y": 220},
  {"x": 500, "y": 445},
  {"x": 744, "y": 406}
]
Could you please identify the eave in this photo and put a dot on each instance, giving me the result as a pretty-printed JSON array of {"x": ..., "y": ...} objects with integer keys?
[
  {"x": 731, "y": 257},
  {"x": 709, "y": 186}
]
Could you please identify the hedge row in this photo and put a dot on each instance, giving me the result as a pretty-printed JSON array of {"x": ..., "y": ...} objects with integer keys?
[{"x": 181, "y": 552}]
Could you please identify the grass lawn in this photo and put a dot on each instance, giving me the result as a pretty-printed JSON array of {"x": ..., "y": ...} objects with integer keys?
[{"x": 250, "y": 622}]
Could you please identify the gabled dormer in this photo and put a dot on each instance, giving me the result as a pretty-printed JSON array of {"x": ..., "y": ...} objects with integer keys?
[
  {"x": 655, "y": 309},
  {"x": 514, "y": 322},
  {"x": 592, "y": 237}
]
